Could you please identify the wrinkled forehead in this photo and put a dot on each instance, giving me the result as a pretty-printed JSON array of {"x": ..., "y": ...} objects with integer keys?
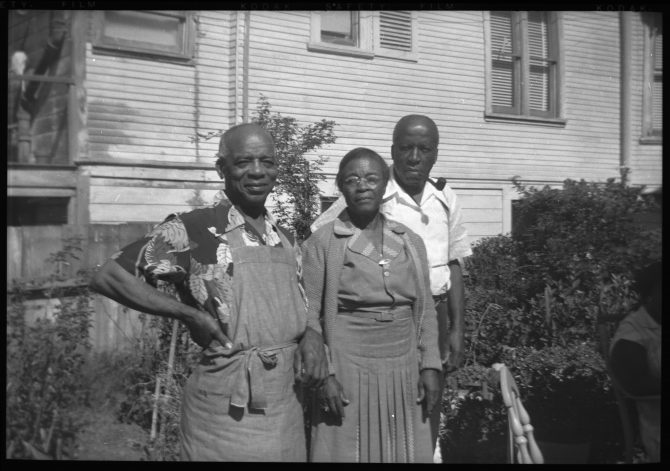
[
  {"x": 249, "y": 141},
  {"x": 367, "y": 163}
]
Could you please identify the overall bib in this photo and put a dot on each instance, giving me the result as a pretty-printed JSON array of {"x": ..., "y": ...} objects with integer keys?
[{"x": 242, "y": 404}]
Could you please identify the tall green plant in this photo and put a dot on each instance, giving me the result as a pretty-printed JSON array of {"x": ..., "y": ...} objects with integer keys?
[
  {"x": 297, "y": 190},
  {"x": 45, "y": 363}
]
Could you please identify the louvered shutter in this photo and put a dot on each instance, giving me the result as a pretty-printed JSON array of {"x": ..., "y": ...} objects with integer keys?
[
  {"x": 538, "y": 56},
  {"x": 657, "y": 85},
  {"x": 395, "y": 30},
  {"x": 502, "y": 77}
]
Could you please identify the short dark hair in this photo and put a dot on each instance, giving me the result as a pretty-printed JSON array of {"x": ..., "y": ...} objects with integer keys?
[
  {"x": 414, "y": 118},
  {"x": 357, "y": 153},
  {"x": 224, "y": 145}
]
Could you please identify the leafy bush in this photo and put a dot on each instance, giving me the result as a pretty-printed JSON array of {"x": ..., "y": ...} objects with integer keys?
[
  {"x": 297, "y": 187},
  {"x": 582, "y": 234},
  {"x": 534, "y": 299},
  {"x": 150, "y": 371},
  {"x": 296, "y": 191},
  {"x": 476, "y": 418},
  {"x": 44, "y": 380}
]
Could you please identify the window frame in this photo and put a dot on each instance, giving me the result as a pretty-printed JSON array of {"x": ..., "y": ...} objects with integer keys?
[
  {"x": 115, "y": 46},
  {"x": 520, "y": 112},
  {"x": 362, "y": 49},
  {"x": 650, "y": 135},
  {"x": 369, "y": 45}
]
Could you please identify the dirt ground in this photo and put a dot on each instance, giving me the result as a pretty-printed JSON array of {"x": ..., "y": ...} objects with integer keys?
[{"x": 104, "y": 438}]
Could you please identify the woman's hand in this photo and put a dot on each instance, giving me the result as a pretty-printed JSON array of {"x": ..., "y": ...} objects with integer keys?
[
  {"x": 332, "y": 397},
  {"x": 309, "y": 362},
  {"x": 429, "y": 389}
]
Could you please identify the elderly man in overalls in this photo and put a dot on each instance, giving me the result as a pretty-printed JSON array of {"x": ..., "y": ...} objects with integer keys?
[{"x": 232, "y": 276}]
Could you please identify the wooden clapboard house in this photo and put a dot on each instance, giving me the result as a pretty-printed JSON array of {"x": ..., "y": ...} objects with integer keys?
[{"x": 104, "y": 105}]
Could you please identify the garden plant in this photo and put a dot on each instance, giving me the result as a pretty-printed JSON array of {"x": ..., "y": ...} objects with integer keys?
[
  {"x": 533, "y": 301},
  {"x": 45, "y": 362}
]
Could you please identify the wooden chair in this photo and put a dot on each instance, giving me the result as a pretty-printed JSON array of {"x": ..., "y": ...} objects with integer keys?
[{"x": 522, "y": 447}]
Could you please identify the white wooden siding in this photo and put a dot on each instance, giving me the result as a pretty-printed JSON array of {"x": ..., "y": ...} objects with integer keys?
[
  {"x": 117, "y": 201},
  {"x": 367, "y": 96},
  {"x": 482, "y": 211},
  {"x": 144, "y": 109}
]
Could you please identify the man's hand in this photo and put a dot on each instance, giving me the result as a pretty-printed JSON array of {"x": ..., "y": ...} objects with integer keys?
[
  {"x": 204, "y": 329},
  {"x": 454, "y": 348},
  {"x": 333, "y": 395},
  {"x": 454, "y": 351},
  {"x": 309, "y": 363},
  {"x": 429, "y": 389},
  {"x": 113, "y": 281}
]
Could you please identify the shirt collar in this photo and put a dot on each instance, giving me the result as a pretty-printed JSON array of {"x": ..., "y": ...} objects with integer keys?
[
  {"x": 235, "y": 217},
  {"x": 344, "y": 227},
  {"x": 393, "y": 188}
]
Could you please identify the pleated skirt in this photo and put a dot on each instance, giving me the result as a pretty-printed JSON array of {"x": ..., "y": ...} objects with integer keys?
[{"x": 377, "y": 365}]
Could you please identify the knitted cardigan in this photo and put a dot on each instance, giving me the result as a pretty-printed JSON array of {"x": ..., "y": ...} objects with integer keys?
[{"x": 322, "y": 261}]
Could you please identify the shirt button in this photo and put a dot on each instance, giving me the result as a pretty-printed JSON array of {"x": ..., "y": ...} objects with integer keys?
[{"x": 387, "y": 273}]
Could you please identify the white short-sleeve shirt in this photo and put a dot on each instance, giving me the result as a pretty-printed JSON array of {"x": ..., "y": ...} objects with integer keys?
[{"x": 437, "y": 220}]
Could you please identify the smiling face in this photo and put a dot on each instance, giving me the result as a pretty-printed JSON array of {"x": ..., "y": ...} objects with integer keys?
[
  {"x": 414, "y": 152},
  {"x": 249, "y": 167},
  {"x": 362, "y": 182}
]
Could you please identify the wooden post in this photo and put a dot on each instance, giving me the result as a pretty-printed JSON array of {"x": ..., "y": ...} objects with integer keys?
[{"x": 24, "y": 136}]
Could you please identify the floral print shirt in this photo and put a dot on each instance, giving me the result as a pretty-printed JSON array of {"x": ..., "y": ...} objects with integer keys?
[{"x": 167, "y": 258}]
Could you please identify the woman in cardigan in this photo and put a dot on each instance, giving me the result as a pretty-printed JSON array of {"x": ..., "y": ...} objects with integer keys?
[{"x": 366, "y": 279}]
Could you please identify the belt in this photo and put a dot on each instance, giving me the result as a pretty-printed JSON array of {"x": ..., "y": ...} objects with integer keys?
[
  {"x": 249, "y": 387},
  {"x": 380, "y": 315}
]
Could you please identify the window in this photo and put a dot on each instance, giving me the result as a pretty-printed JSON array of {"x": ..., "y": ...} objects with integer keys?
[
  {"x": 166, "y": 34},
  {"x": 37, "y": 211},
  {"x": 524, "y": 64},
  {"x": 365, "y": 33},
  {"x": 340, "y": 27},
  {"x": 652, "y": 126}
]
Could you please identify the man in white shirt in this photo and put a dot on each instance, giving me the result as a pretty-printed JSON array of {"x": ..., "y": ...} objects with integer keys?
[{"x": 432, "y": 211}]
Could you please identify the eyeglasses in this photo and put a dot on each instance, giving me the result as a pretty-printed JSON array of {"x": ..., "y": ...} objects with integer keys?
[{"x": 373, "y": 181}]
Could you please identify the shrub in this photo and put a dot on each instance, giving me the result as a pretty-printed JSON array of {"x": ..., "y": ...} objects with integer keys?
[
  {"x": 151, "y": 371},
  {"x": 534, "y": 299},
  {"x": 297, "y": 188},
  {"x": 44, "y": 376},
  {"x": 45, "y": 362},
  {"x": 296, "y": 191}
]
